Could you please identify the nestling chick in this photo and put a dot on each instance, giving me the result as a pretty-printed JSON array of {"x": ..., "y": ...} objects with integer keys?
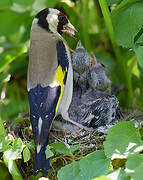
[
  {"x": 94, "y": 76},
  {"x": 92, "y": 103},
  {"x": 50, "y": 78}
]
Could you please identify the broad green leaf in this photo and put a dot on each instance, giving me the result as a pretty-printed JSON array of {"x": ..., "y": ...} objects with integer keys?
[
  {"x": 134, "y": 166},
  {"x": 98, "y": 164},
  {"x": 24, "y": 3},
  {"x": 69, "y": 172},
  {"x": 122, "y": 140},
  {"x": 139, "y": 54},
  {"x": 14, "y": 152},
  {"x": 61, "y": 147},
  {"x": 5, "y": 4},
  {"x": 11, "y": 21},
  {"x": 127, "y": 22},
  {"x": 10, "y": 55},
  {"x": 90, "y": 166},
  {"x": 4, "y": 143},
  {"x": 48, "y": 152},
  {"x": 12, "y": 167},
  {"x": 26, "y": 154},
  {"x": 18, "y": 120}
]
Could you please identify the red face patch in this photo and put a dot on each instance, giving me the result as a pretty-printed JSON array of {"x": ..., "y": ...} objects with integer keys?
[{"x": 63, "y": 20}]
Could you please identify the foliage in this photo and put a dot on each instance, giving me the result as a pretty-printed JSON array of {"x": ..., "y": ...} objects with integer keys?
[
  {"x": 115, "y": 36},
  {"x": 124, "y": 143}
]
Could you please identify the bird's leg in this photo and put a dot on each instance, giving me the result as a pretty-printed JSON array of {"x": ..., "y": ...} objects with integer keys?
[{"x": 66, "y": 117}]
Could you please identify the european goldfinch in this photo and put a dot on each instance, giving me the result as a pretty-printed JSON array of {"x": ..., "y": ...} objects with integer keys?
[{"x": 50, "y": 78}]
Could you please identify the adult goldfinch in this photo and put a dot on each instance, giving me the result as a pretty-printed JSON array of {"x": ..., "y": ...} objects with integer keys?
[{"x": 50, "y": 78}]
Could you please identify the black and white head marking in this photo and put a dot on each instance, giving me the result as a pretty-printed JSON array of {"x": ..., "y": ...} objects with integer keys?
[
  {"x": 51, "y": 20},
  {"x": 41, "y": 20}
]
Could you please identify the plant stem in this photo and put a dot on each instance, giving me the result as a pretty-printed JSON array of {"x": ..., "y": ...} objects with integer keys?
[
  {"x": 2, "y": 129},
  {"x": 84, "y": 24},
  {"x": 121, "y": 64},
  {"x": 108, "y": 23}
]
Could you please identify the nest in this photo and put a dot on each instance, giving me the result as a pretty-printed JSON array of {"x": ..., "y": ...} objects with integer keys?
[{"x": 89, "y": 141}]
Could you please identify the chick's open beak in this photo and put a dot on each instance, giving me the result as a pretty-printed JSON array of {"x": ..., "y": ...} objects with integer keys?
[{"x": 69, "y": 30}]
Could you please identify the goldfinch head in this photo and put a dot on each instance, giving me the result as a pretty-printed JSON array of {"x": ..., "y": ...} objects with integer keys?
[{"x": 54, "y": 21}]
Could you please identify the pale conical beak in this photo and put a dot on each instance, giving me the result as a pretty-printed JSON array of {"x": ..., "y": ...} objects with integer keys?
[{"x": 69, "y": 29}]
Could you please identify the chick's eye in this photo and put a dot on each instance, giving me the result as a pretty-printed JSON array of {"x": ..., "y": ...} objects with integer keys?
[{"x": 63, "y": 20}]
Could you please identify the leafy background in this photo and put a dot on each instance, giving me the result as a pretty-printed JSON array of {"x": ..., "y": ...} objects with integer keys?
[{"x": 113, "y": 31}]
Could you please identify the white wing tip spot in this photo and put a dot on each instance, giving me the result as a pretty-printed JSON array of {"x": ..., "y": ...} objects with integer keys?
[
  {"x": 38, "y": 148},
  {"x": 39, "y": 125}
]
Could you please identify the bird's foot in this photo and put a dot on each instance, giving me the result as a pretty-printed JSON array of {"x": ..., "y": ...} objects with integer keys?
[{"x": 82, "y": 127}]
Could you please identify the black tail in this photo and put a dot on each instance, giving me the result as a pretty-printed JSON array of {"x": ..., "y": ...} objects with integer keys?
[{"x": 41, "y": 164}]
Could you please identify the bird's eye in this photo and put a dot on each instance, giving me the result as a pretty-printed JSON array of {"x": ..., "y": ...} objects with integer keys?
[{"x": 62, "y": 19}]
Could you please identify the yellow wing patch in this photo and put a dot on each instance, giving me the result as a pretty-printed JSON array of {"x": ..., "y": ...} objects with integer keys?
[{"x": 59, "y": 77}]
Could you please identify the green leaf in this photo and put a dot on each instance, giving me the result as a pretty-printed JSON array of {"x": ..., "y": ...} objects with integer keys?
[
  {"x": 24, "y": 3},
  {"x": 26, "y": 154},
  {"x": 18, "y": 120},
  {"x": 92, "y": 165},
  {"x": 98, "y": 164},
  {"x": 10, "y": 55},
  {"x": 122, "y": 140},
  {"x": 69, "y": 172},
  {"x": 5, "y": 4},
  {"x": 134, "y": 166},
  {"x": 61, "y": 147},
  {"x": 48, "y": 152},
  {"x": 31, "y": 144},
  {"x": 4, "y": 143},
  {"x": 124, "y": 4},
  {"x": 127, "y": 22},
  {"x": 11, "y": 21},
  {"x": 139, "y": 54},
  {"x": 14, "y": 152},
  {"x": 74, "y": 148}
]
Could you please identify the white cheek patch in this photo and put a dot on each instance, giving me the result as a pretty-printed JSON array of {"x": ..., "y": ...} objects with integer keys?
[{"x": 52, "y": 20}]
